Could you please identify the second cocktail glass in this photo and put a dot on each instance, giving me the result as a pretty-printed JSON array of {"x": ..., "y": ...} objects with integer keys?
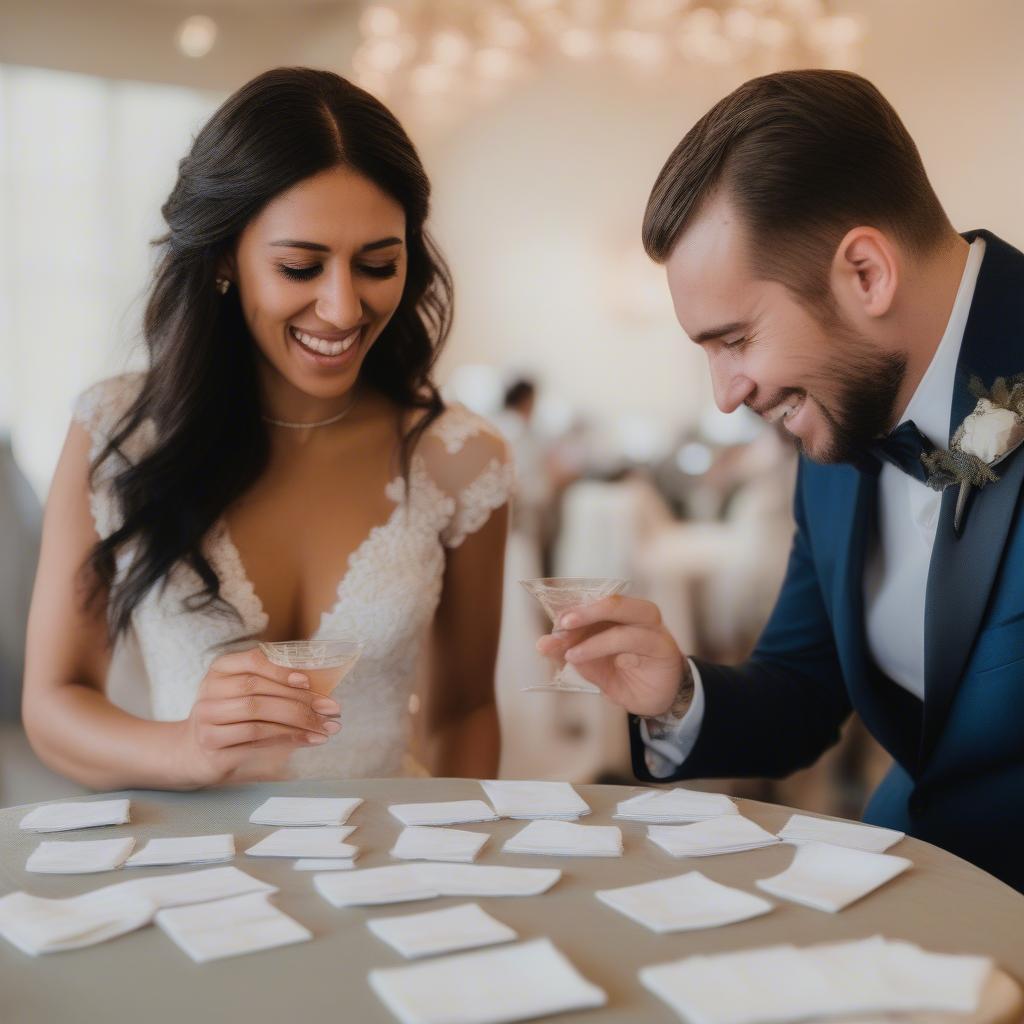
[{"x": 556, "y": 595}]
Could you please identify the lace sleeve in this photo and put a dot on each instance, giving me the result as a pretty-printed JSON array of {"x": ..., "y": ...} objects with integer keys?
[
  {"x": 99, "y": 410},
  {"x": 470, "y": 462}
]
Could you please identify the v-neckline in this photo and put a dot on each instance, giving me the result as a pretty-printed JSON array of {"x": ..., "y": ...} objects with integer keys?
[{"x": 254, "y": 610}]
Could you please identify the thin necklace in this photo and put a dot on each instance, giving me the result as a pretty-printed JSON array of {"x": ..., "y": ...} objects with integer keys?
[{"x": 318, "y": 423}]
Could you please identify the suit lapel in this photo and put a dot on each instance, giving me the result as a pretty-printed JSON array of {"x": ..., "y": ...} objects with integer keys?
[{"x": 963, "y": 569}]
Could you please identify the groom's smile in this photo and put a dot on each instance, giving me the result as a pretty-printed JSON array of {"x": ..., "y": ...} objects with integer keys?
[{"x": 832, "y": 389}]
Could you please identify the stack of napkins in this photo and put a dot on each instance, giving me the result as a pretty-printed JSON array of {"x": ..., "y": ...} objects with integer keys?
[
  {"x": 324, "y": 864},
  {"x": 529, "y": 979},
  {"x": 400, "y": 883},
  {"x": 567, "y": 839},
  {"x": 304, "y": 810},
  {"x": 673, "y": 806},
  {"x": 36, "y": 925},
  {"x": 447, "y": 812},
  {"x": 802, "y": 828},
  {"x": 84, "y": 814},
  {"x": 466, "y": 926},
  {"x": 846, "y": 979},
  {"x": 729, "y": 834},
  {"x": 514, "y": 799},
  {"x": 79, "y": 857},
  {"x": 305, "y": 842},
  {"x": 243, "y": 924},
  {"x": 829, "y": 877},
  {"x": 184, "y": 850},
  {"x": 422, "y": 842},
  {"x": 683, "y": 903}
]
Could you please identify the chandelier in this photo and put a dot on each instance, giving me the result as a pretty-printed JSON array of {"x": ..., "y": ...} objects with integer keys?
[{"x": 475, "y": 49}]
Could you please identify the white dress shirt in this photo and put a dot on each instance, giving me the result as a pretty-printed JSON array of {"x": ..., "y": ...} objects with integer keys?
[{"x": 896, "y": 567}]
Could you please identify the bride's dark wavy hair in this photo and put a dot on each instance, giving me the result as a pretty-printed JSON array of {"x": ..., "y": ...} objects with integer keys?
[{"x": 201, "y": 391}]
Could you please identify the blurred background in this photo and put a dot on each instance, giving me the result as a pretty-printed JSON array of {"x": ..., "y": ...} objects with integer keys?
[{"x": 543, "y": 124}]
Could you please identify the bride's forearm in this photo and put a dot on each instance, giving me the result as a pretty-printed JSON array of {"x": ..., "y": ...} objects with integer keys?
[
  {"x": 468, "y": 746},
  {"x": 77, "y": 732}
]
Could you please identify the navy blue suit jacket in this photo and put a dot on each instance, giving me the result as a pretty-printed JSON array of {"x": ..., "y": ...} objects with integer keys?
[{"x": 958, "y": 775}]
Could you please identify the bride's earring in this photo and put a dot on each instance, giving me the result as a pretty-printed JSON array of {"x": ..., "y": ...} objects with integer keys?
[{"x": 223, "y": 284}]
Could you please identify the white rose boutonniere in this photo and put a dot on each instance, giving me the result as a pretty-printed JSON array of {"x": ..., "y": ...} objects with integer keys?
[{"x": 988, "y": 435}]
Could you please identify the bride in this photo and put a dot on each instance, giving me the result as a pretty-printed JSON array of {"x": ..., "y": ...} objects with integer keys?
[{"x": 285, "y": 469}]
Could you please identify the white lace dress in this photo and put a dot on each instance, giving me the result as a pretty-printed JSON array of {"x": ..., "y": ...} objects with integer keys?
[{"x": 460, "y": 473}]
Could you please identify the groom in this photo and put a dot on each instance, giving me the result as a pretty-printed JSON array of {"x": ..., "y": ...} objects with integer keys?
[{"x": 809, "y": 257}]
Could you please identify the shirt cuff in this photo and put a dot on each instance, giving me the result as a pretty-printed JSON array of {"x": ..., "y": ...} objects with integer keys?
[{"x": 669, "y": 740}]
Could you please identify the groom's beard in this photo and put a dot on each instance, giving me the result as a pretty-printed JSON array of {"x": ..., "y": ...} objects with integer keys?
[{"x": 864, "y": 385}]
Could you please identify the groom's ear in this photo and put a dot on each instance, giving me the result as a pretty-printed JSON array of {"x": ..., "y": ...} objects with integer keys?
[{"x": 865, "y": 273}]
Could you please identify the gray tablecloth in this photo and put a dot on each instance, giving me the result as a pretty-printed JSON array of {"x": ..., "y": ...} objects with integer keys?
[{"x": 943, "y": 903}]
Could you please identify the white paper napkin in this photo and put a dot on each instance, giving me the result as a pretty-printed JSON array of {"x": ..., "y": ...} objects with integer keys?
[
  {"x": 830, "y": 878},
  {"x": 305, "y": 842},
  {"x": 566, "y": 839},
  {"x": 184, "y": 850},
  {"x": 37, "y": 925},
  {"x": 802, "y": 828},
  {"x": 466, "y": 926},
  {"x": 83, "y": 814},
  {"x": 242, "y": 924},
  {"x": 683, "y": 903},
  {"x": 447, "y": 812},
  {"x": 515, "y": 799},
  {"x": 868, "y": 976},
  {"x": 323, "y": 864},
  {"x": 668, "y": 806},
  {"x": 79, "y": 857},
  {"x": 422, "y": 842},
  {"x": 400, "y": 883},
  {"x": 304, "y": 810},
  {"x": 729, "y": 834},
  {"x": 528, "y": 979}
]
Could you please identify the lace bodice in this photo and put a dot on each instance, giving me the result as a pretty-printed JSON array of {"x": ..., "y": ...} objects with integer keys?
[{"x": 460, "y": 473}]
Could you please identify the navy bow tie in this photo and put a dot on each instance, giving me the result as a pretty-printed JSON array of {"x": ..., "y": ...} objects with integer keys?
[{"x": 904, "y": 448}]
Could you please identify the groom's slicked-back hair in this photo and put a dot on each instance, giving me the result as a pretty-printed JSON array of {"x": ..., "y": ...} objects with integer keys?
[{"x": 804, "y": 156}]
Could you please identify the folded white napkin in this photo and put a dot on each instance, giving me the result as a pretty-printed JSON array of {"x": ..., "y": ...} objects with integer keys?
[
  {"x": 511, "y": 983},
  {"x": 184, "y": 850},
  {"x": 305, "y": 842},
  {"x": 515, "y": 799},
  {"x": 447, "y": 812},
  {"x": 323, "y": 864},
  {"x": 566, "y": 839},
  {"x": 242, "y": 924},
  {"x": 37, "y": 925},
  {"x": 802, "y": 828},
  {"x": 830, "y": 878},
  {"x": 422, "y": 842},
  {"x": 668, "y": 806},
  {"x": 400, "y": 883},
  {"x": 82, "y": 814},
  {"x": 728, "y": 834},
  {"x": 466, "y": 926},
  {"x": 683, "y": 903},
  {"x": 304, "y": 810},
  {"x": 79, "y": 857},
  {"x": 868, "y": 976}
]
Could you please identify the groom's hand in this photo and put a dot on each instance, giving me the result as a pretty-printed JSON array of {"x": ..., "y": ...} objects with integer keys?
[{"x": 621, "y": 646}]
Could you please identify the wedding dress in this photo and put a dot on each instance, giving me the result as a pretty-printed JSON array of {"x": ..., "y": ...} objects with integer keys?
[{"x": 460, "y": 473}]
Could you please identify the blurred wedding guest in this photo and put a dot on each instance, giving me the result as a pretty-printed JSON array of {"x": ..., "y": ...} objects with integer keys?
[
  {"x": 285, "y": 469},
  {"x": 20, "y": 521}
]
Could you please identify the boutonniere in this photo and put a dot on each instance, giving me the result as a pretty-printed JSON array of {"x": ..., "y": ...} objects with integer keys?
[{"x": 988, "y": 435}]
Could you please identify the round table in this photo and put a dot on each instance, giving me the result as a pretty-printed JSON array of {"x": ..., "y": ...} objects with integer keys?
[{"x": 943, "y": 903}]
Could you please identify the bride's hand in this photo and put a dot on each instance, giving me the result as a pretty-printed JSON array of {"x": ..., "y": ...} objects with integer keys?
[
  {"x": 244, "y": 703},
  {"x": 621, "y": 645}
]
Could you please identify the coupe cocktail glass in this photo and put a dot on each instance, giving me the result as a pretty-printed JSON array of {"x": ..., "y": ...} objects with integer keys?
[
  {"x": 556, "y": 595},
  {"x": 326, "y": 662}
]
